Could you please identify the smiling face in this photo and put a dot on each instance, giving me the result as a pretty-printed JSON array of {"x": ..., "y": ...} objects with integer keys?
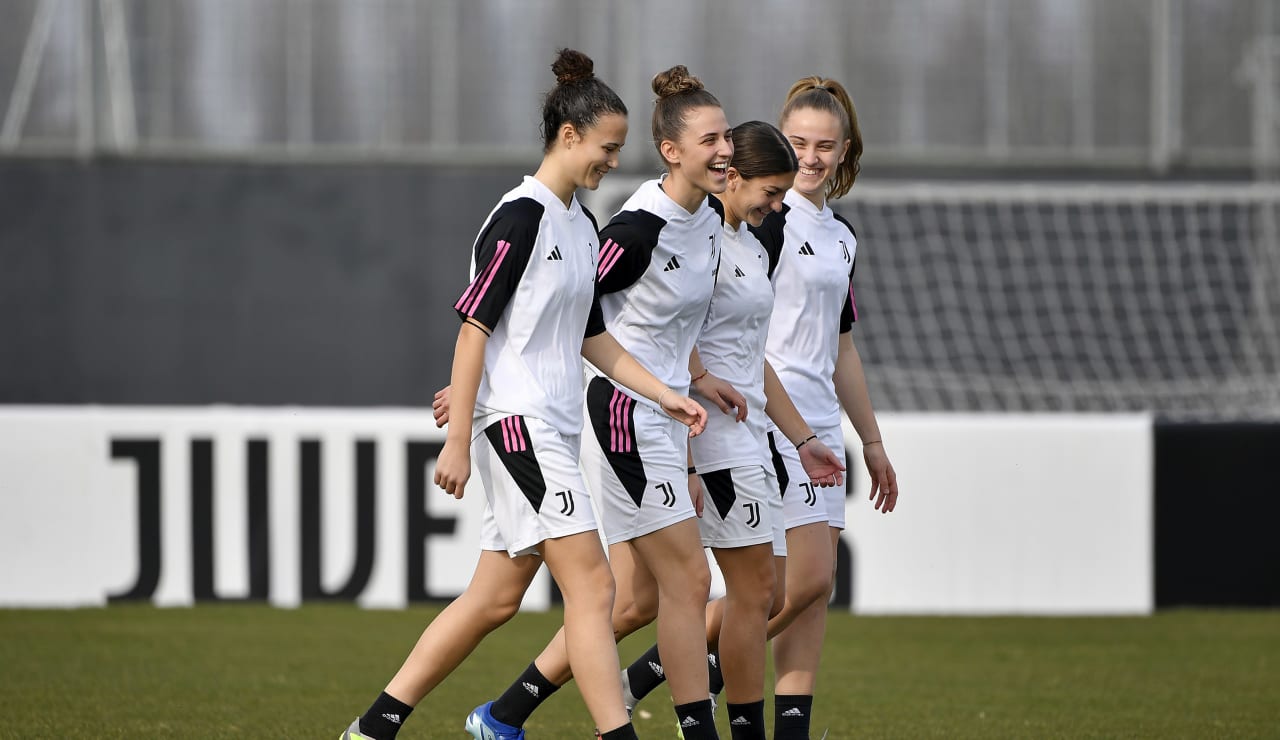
[
  {"x": 752, "y": 199},
  {"x": 703, "y": 150},
  {"x": 820, "y": 145},
  {"x": 594, "y": 151}
]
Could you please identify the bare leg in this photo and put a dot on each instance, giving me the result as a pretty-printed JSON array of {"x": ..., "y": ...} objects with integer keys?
[
  {"x": 578, "y": 564},
  {"x": 492, "y": 597},
  {"x": 749, "y": 582},
  {"x": 634, "y": 606},
  {"x": 674, "y": 556},
  {"x": 797, "y": 648}
]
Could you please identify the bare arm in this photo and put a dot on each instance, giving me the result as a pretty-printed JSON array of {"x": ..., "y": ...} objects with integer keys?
[
  {"x": 851, "y": 389},
  {"x": 716, "y": 390},
  {"x": 603, "y": 351},
  {"x": 453, "y": 468},
  {"x": 822, "y": 465}
]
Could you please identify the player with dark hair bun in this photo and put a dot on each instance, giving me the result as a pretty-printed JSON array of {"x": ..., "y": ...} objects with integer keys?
[
  {"x": 657, "y": 271},
  {"x": 529, "y": 316}
]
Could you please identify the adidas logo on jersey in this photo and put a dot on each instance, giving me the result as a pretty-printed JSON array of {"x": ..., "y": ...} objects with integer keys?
[
  {"x": 793, "y": 712},
  {"x": 392, "y": 718},
  {"x": 533, "y": 690},
  {"x": 737, "y": 272},
  {"x": 689, "y": 722},
  {"x": 741, "y": 721},
  {"x": 806, "y": 249},
  {"x": 657, "y": 669},
  {"x": 555, "y": 253},
  {"x": 672, "y": 264}
]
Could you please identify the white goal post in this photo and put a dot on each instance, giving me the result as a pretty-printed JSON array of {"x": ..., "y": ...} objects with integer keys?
[{"x": 1063, "y": 296}]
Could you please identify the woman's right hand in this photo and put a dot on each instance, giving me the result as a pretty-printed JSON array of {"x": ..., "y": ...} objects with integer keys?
[{"x": 453, "y": 467}]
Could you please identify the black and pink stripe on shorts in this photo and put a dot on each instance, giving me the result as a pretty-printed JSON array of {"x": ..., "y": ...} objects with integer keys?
[
  {"x": 620, "y": 407},
  {"x": 475, "y": 292},
  {"x": 513, "y": 437}
]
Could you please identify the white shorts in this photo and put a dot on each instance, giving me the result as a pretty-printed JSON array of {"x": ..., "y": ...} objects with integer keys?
[
  {"x": 737, "y": 507},
  {"x": 802, "y": 502},
  {"x": 636, "y": 462},
  {"x": 532, "y": 485}
]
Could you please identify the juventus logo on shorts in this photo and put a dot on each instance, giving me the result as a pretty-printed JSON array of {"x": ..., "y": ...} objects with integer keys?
[
  {"x": 668, "y": 494},
  {"x": 753, "y": 513},
  {"x": 810, "y": 498},
  {"x": 566, "y": 502}
]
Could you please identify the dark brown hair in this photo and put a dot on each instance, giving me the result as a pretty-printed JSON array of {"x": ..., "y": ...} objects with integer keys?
[
  {"x": 760, "y": 150},
  {"x": 579, "y": 97},
  {"x": 824, "y": 94}
]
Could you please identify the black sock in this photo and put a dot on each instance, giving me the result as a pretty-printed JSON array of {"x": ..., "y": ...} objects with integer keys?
[
  {"x": 522, "y": 697},
  {"x": 385, "y": 717},
  {"x": 791, "y": 716},
  {"x": 746, "y": 721},
  {"x": 645, "y": 674},
  {"x": 625, "y": 732},
  {"x": 696, "y": 720},
  {"x": 715, "y": 677}
]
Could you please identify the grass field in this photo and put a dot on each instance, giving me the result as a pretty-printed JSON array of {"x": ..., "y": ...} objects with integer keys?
[{"x": 239, "y": 671}]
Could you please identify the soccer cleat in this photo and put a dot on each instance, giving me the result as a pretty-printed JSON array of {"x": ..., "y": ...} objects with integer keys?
[
  {"x": 482, "y": 726},
  {"x": 353, "y": 732}
]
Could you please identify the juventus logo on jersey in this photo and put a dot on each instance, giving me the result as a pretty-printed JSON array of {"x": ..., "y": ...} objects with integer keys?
[
  {"x": 555, "y": 253},
  {"x": 672, "y": 264},
  {"x": 810, "y": 498},
  {"x": 668, "y": 494},
  {"x": 737, "y": 272},
  {"x": 753, "y": 513},
  {"x": 806, "y": 249},
  {"x": 845, "y": 248}
]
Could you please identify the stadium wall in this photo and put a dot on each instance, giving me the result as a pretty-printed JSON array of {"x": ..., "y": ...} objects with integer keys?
[{"x": 179, "y": 506}]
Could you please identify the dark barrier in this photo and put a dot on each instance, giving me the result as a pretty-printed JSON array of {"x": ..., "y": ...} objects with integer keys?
[
  {"x": 1217, "y": 514},
  {"x": 147, "y": 282}
]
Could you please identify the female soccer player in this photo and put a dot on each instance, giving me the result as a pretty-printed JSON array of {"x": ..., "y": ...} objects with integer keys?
[
  {"x": 811, "y": 347},
  {"x": 656, "y": 274},
  {"x": 516, "y": 377},
  {"x": 732, "y": 459}
]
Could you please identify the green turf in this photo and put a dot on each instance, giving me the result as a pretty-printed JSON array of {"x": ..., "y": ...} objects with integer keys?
[{"x": 237, "y": 671}]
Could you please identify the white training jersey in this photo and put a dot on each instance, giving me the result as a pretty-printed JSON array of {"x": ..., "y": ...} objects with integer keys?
[
  {"x": 657, "y": 270},
  {"x": 533, "y": 284},
  {"x": 732, "y": 348},
  {"x": 812, "y": 252}
]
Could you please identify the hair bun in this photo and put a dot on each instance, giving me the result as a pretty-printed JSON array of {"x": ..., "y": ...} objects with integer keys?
[
  {"x": 675, "y": 81},
  {"x": 572, "y": 66}
]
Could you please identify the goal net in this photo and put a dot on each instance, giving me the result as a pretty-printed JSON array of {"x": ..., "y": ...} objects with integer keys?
[{"x": 1064, "y": 297}]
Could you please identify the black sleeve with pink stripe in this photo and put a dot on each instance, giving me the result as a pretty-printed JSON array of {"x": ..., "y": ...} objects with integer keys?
[
  {"x": 502, "y": 253},
  {"x": 626, "y": 248}
]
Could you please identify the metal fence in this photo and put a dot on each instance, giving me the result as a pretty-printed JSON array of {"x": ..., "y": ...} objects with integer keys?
[{"x": 1150, "y": 84}]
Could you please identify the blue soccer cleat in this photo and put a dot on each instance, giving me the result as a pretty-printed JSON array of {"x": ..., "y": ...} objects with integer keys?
[{"x": 482, "y": 726}]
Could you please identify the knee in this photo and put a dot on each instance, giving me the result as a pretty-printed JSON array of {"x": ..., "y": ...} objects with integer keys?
[
  {"x": 805, "y": 589},
  {"x": 694, "y": 584},
  {"x": 592, "y": 586},
  {"x": 498, "y": 612},
  {"x": 633, "y": 611}
]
